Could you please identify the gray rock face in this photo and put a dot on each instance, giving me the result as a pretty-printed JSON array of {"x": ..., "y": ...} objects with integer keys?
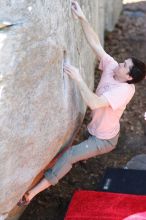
[
  {"x": 112, "y": 12},
  {"x": 137, "y": 163},
  {"x": 40, "y": 107}
]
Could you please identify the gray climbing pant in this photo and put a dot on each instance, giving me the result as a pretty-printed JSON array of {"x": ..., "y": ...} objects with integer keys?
[{"x": 86, "y": 149}]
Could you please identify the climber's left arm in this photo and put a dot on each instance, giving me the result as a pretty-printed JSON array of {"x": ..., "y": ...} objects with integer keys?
[{"x": 91, "y": 36}]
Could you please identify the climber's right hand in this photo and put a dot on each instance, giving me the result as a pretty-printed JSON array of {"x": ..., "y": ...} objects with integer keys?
[
  {"x": 76, "y": 10},
  {"x": 73, "y": 72}
]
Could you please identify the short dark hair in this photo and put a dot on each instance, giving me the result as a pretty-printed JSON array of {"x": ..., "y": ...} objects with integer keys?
[{"x": 137, "y": 72}]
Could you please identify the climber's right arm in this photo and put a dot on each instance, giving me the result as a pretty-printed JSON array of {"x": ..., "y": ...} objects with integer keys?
[{"x": 91, "y": 36}]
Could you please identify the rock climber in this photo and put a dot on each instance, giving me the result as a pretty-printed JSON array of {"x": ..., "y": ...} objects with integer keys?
[{"x": 115, "y": 90}]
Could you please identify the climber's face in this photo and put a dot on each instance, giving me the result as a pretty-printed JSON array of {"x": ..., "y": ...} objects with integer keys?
[{"x": 121, "y": 72}]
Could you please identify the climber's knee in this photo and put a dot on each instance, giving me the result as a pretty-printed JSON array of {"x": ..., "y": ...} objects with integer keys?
[{"x": 51, "y": 177}]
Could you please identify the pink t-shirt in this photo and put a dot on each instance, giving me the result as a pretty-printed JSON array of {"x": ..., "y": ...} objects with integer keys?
[{"x": 105, "y": 121}]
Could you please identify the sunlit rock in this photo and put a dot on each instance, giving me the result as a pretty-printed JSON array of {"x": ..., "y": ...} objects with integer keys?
[{"x": 40, "y": 107}]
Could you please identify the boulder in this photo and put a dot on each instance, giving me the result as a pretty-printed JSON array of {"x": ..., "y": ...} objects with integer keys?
[{"x": 41, "y": 108}]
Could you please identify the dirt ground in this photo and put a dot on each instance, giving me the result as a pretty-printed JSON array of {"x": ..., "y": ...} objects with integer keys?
[{"x": 128, "y": 39}]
